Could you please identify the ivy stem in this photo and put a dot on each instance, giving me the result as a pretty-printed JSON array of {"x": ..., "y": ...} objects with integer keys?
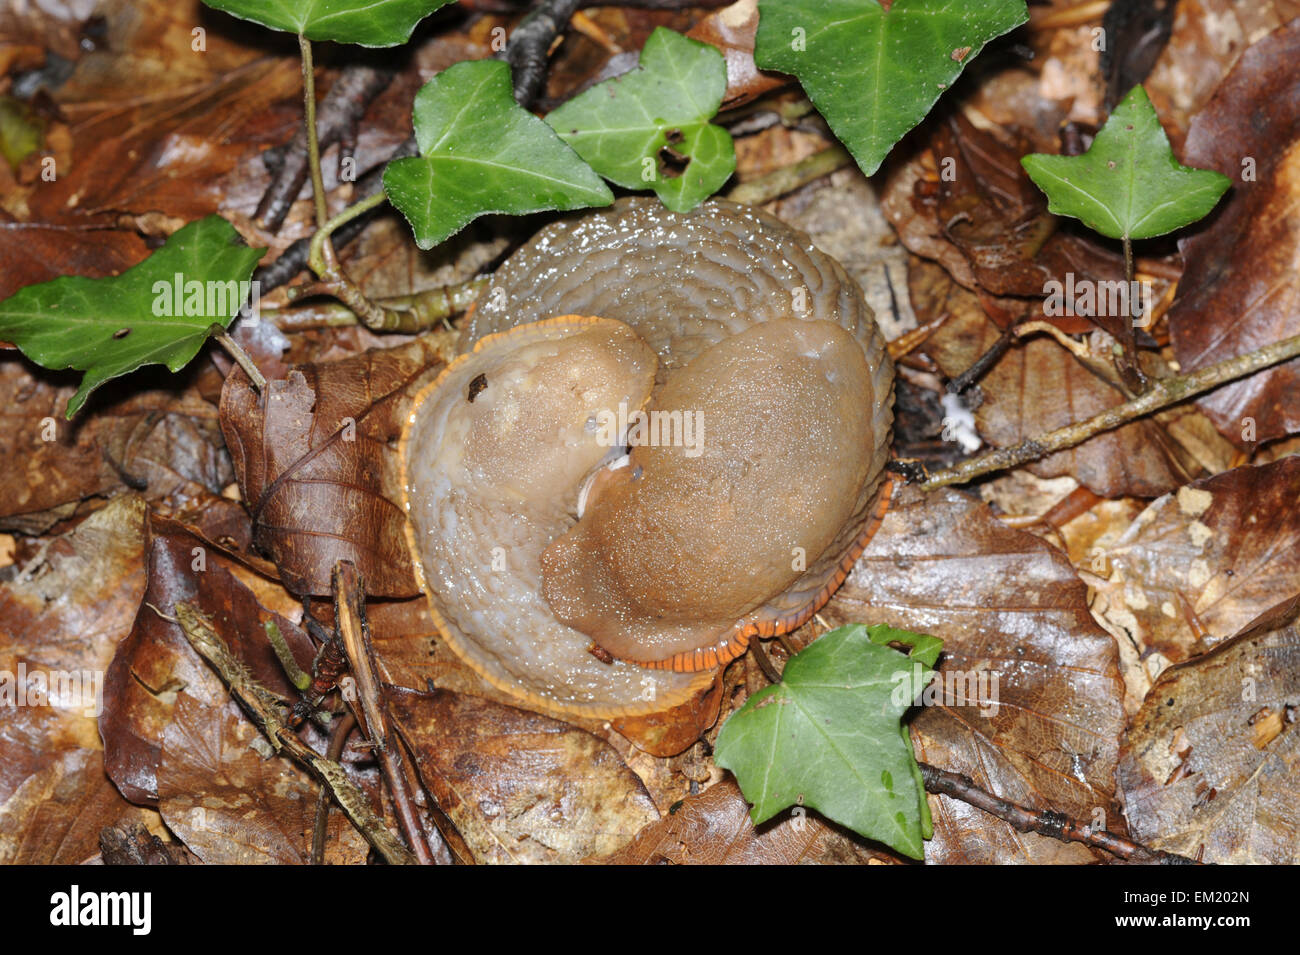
[
  {"x": 317, "y": 259},
  {"x": 313, "y": 142},
  {"x": 236, "y": 350}
]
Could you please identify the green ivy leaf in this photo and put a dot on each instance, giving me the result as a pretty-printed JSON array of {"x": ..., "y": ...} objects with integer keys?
[
  {"x": 1128, "y": 185},
  {"x": 363, "y": 22},
  {"x": 637, "y": 129},
  {"x": 481, "y": 153},
  {"x": 829, "y": 736},
  {"x": 874, "y": 74},
  {"x": 112, "y": 326}
]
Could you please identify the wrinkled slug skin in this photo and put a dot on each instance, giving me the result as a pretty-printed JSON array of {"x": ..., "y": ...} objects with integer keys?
[
  {"x": 491, "y": 482},
  {"x": 678, "y": 560}
]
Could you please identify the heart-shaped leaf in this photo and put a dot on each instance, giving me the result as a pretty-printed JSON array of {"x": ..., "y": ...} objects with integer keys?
[
  {"x": 363, "y": 22},
  {"x": 155, "y": 313},
  {"x": 1128, "y": 185},
  {"x": 828, "y": 736},
  {"x": 874, "y": 73},
  {"x": 650, "y": 128},
  {"x": 481, "y": 153}
]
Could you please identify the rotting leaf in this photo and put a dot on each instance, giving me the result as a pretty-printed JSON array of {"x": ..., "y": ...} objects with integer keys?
[
  {"x": 1039, "y": 386},
  {"x": 232, "y": 805},
  {"x": 316, "y": 464},
  {"x": 1201, "y": 563},
  {"x": 521, "y": 787},
  {"x": 714, "y": 828},
  {"x": 63, "y": 614},
  {"x": 155, "y": 663},
  {"x": 1211, "y": 764},
  {"x": 1240, "y": 289}
]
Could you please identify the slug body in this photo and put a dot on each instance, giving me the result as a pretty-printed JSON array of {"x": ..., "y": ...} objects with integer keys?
[{"x": 721, "y": 428}]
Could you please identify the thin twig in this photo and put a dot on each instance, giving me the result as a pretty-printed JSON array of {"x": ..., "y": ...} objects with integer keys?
[
  {"x": 789, "y": 178},
  {"x": 1046, "y": 822},
  {"x": 354, "y": 631},
  {"x": 236, "y": 351},
  {"x": 1163, "y": 393},
  {"x": 264, "y": 706},
  {"x": 344, "y": 725},
  {"x": 529, "y": 48}
]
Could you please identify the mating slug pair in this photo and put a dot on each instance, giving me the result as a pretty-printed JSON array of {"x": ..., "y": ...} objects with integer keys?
[{"x": 681, "y": 554}]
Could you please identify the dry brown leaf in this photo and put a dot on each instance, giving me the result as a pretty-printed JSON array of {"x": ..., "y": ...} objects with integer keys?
[
  {"x": 232, "y": 805},
  {"x": 155, "y": 663},
  {"x": 1211, "y": 766},
  {"x": 1198, "y": 565},
  {"x": 316, "y": 461},
  {"x": 521, "y": 787},
  {"x": 1039, "y": 386},
  {"x": 61, "y": 618},
  {"x": 1241, "y": 287},
  {"x": 713, "y": 828}
]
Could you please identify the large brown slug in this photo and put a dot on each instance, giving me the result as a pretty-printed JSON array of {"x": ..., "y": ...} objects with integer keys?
[{"x": 546, "y": 550}]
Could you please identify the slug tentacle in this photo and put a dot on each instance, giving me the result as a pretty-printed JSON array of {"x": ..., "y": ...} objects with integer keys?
[{"x": 744, "y": 371}]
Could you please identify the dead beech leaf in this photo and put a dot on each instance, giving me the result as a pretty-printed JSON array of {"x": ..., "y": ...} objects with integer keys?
[
  {"x": 162, "y": 440},
  {"x": 1218, "y": 552},
  {"x": 61, "y": 617},
  {"x": 713, "y": 828},
  {"x": 987, "y": 207},
  {"x": 732, "y": 31},
  {"x": 1039, "y": 386},
  {"x": 1005, "y": 603},
  {"x": 1212, "y": 760},
  {"x": 155, "y": 662},
  {"x": 1208, "y": 38},
  {"x": 521, "y": 787},
  {"x": 56, "y": 815},
  {"x": 32, "y": 252},
  {"x": 317, "y": 464},
  {"x": 233, "y": 806},
  {"x": 1241, "y": 285}
]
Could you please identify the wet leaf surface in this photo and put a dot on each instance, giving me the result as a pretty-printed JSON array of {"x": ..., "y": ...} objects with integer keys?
[
  {"x": 521, "y": 787},
  {"x": 1200, "y": 564},
  {"x": 1211, "y": 762},
  {"x": 1242, "y": 289}
]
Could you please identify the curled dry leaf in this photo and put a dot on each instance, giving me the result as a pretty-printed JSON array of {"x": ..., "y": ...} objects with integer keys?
[
  {"x": 1200, "y": 564},
  {"x": 155, "y": 662},
  {"x": 1039, "y": 386},
  {"x": 732, "y": 31},
  {"x": 713, "y": 828},
  {"x": 316, "y": 464},
  {"x": 521, "y": 787},
  {"x": 1027, "y": 695},
  {"x": 61, "y": 618},
  {"x": 235, "y": 806},
  {"x": 1241, "y": 285},
  {"x": 1211, "y": 764}
]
